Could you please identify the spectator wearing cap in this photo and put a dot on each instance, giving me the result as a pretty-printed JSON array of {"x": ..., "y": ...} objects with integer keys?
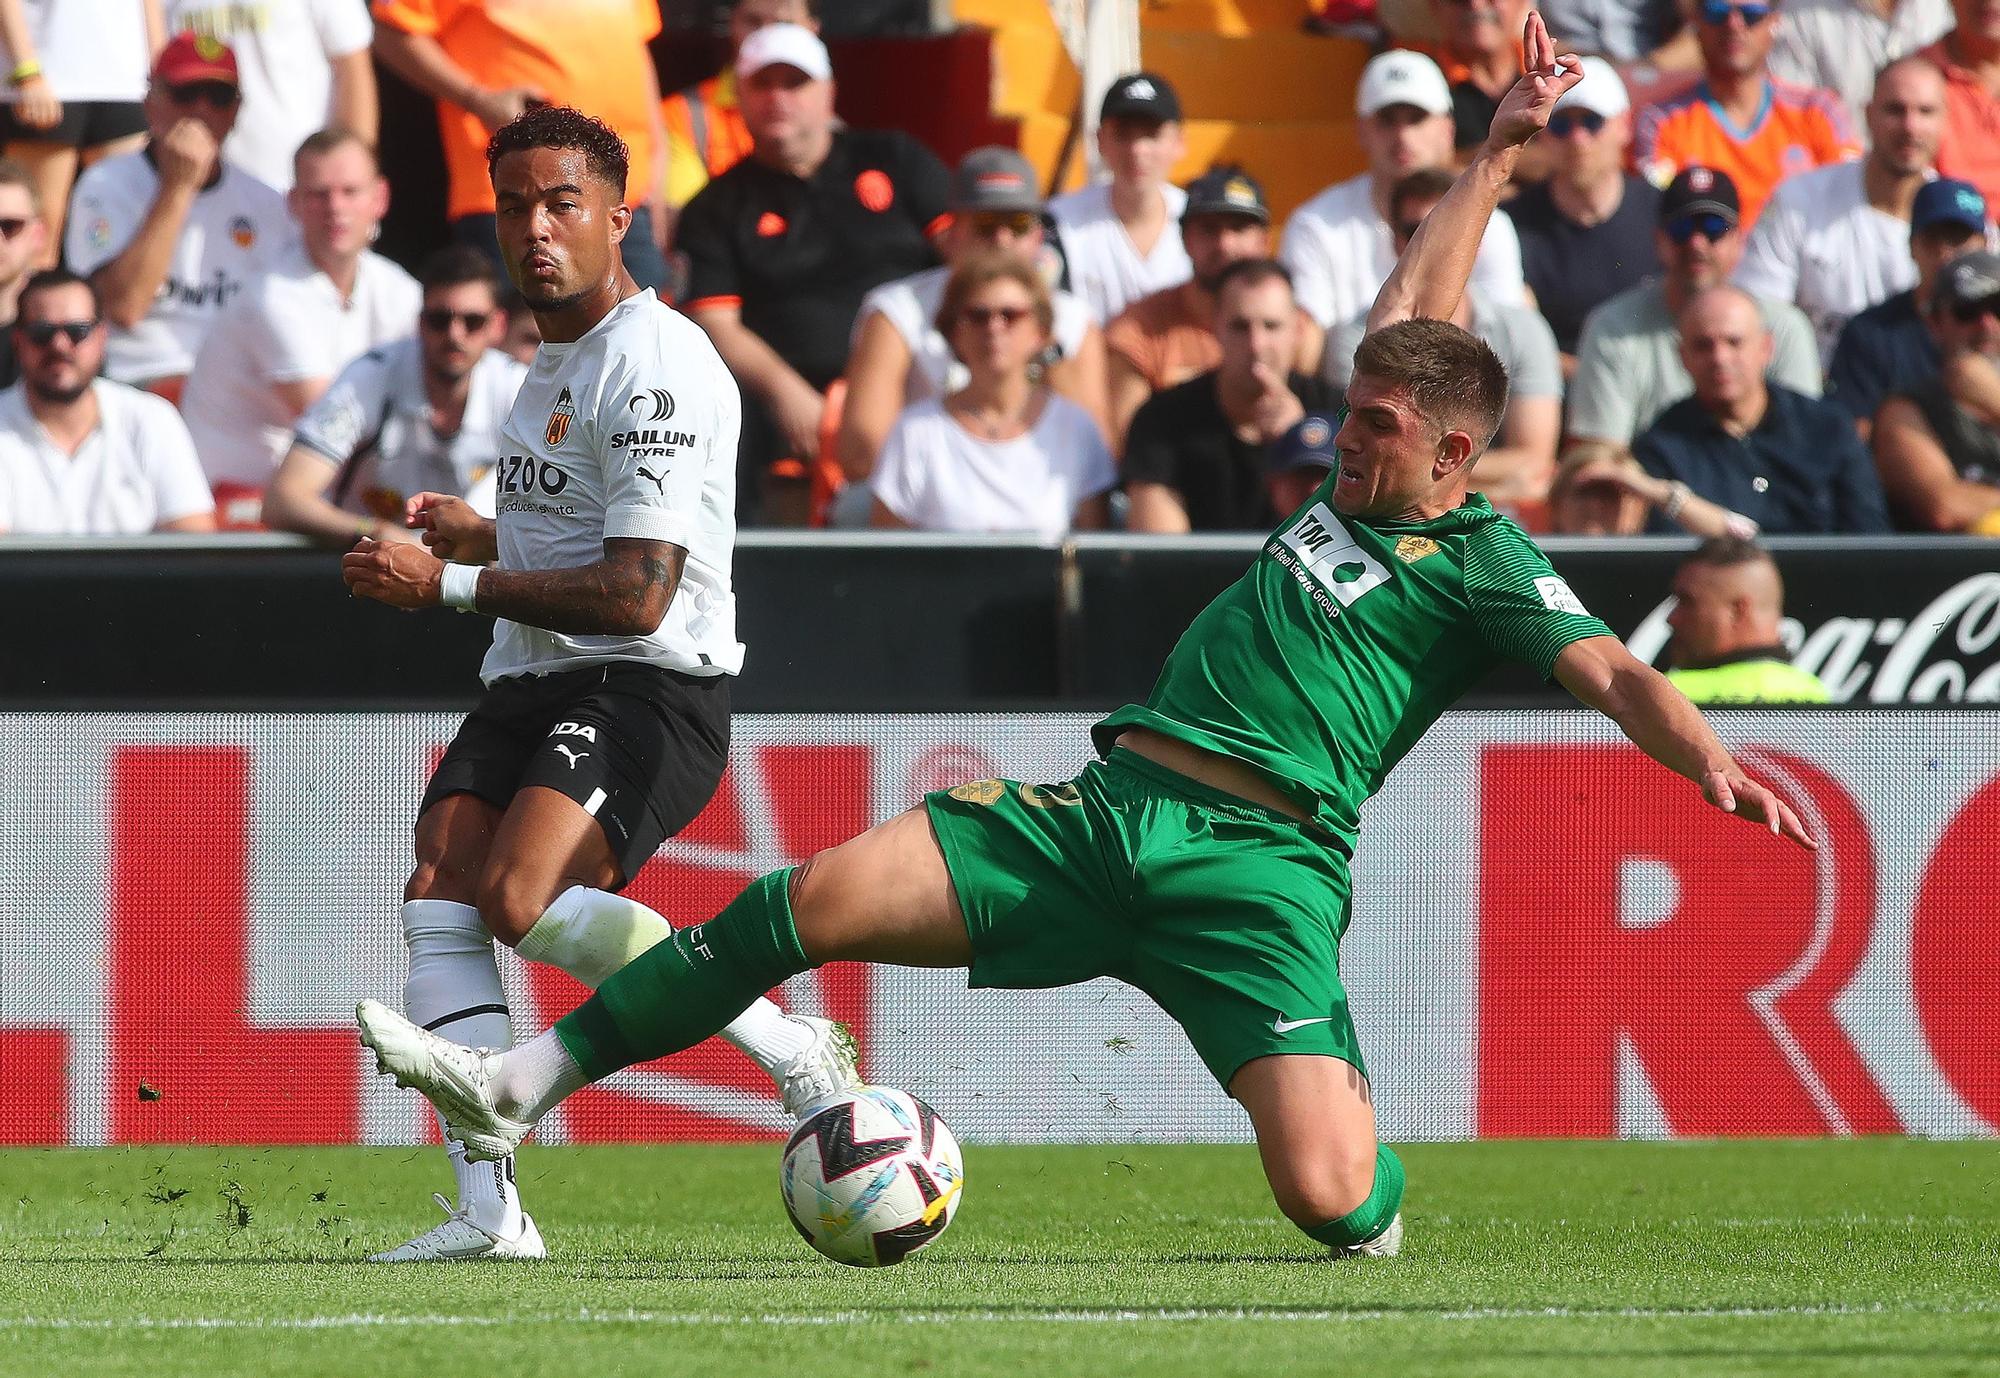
[
  {"x": 1117, "y": 237},
  {"x": 1937, "y": 443},
  {"x": 1195, "y": 457},
  {"x": 900, "y": 356},
  {"x": 304, "y": 65},
  {"x": 1842, "y": 45},
  {"x": 1889, "y": 347},
  {"x": 783, "y": 248},
  {"x": 1970, "y": 58},
  {"x": 1480, "y": 56},
  {"x": 1298, "y": 463},
  {"x": 22, "y": 239},
  {"x": 1835, "y": 241},
  {"x": 1516, "y": 468},
  {"x": 81, "y": 455},
  {"x": 77, "y": 75},
  {"x": 484, "y": 63},
  {"x": 1587, "y": 233},
  {"x": 704, "y": 125},
  {"x": 1166, "y": 338},
  {"x": 1788, "y": 462},
  {"x": 273, "y": 350},
  {"x": 1337, "y": 245},
  {"x": 1628, "y": 361},
  {"x": 1739, "y": 119},
  {"x": 1002, "y": 452},
  {"x": 170, "y": 235},
  {"x": 421, "y": 414}
]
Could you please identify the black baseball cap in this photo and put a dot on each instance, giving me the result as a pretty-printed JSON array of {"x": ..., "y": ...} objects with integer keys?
[
  {"x": 1143, "y": 95},
  {"x": 1700, "y": 191},
  {"x": 1226, "y": 191},
  {"x": 1307, "y": 445}
]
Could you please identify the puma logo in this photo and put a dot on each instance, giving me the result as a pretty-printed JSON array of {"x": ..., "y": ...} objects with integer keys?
[
  {"x": 574, "y": 756},
  {"x": 659, "y": 480}
]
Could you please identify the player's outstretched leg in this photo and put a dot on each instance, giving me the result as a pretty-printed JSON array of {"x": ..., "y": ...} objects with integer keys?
[
  {"x": 1315, "y": 1123},
  {"x": 885, "y": 896}
]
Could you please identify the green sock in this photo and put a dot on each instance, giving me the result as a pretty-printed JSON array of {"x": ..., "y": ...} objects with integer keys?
[
  {"x": 1372, "y": 1216},
  {"x": 679, "y": 992}
]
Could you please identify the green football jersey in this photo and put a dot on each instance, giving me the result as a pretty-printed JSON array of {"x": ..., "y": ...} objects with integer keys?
[{"x": 1346, "y": 639}]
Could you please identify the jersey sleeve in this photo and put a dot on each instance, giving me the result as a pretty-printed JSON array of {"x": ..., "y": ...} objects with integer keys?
[
  {"x": 100, "y": 223},
  {"x": 657, "y": 431},
  {"x": 348, "y": 415},
  {"x": 703, "y": 235},
  {"x": 1524, "y": 610}
]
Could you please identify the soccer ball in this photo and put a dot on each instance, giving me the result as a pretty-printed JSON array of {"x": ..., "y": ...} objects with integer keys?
[{"x": 872, "y": 1178}]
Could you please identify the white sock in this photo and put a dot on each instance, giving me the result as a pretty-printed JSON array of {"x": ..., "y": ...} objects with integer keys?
[
  {"x": 454, "y": 989},
  {"x": 533, "y": 1077},
  {"x": 592, "y": 933}
]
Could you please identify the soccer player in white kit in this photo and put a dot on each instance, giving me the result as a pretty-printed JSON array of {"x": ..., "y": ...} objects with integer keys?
[{"x": 604, "y": 727}]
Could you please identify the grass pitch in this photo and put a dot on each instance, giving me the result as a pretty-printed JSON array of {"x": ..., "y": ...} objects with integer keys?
[{"x": 1873, "y": 1256}]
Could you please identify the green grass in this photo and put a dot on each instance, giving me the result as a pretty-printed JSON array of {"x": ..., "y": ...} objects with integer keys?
[{"x": 1874, "y": 1256}]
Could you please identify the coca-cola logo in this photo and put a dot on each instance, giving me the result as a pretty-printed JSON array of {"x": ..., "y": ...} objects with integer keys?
[{"x": 1948, "y": 651}]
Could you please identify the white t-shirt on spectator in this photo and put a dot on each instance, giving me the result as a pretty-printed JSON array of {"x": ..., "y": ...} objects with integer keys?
[
  {"x": 136, "y": 471},
  {"x": 937, "y": 476},
  {"x": 1340, "y": 252},
  {"x": 1105, "y": 267},
  {"x": 291, "y": 325},
  {"x": 1822, "y": 247},
  {"x": 910, "y": 304},
  {"x": 284, "y": 51},
  {"x": 235, "y": 231},
  {"x": 1842, "y": 44},
  {"x": 90, "y": 50},
  {"x": 374, "y": 422},
  {"x": 629, "y": 432}
]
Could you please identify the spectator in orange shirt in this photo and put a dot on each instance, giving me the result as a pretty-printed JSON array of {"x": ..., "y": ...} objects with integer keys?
[
  {"x": 485, "y": 61},
  {"x": 1970, "y": 57},
  {"x": 706, "y": 135},
  {"x": 1737, "y": 118}
]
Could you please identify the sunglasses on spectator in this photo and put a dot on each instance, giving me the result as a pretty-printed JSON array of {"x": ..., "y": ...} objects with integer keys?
[
  {"x": 980, "y": 317},
  {"x": 1567, "y": 122},
  {"x": 1718, "y": 12},
  {"x": 1020, "y": 224},
  {"x": 439, "y": 321},
  {"x": 1970, "y": 312},
  {"x": 220, "y": 95},
  {"x": 43, "y": 333},
  {"x": 1708, "y": 225}
]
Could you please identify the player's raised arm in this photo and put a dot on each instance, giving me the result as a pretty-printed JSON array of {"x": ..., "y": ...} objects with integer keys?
[
  {"x": 1431, "y": 275},
  {"x": 1662, "y": 723}
]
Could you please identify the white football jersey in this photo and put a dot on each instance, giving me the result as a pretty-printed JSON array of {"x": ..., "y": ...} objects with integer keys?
[
  {"x": 1106, "y": 268},
  {"x": 629, "y": 432}
]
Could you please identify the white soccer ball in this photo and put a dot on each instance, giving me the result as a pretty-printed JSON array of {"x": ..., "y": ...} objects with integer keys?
[{"x": 871, "y": 1179}]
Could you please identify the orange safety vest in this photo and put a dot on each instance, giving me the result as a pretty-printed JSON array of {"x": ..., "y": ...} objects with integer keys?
[{"x": 704, "y": 118}]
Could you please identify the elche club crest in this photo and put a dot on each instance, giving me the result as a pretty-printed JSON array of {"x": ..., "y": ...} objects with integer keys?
[{"x": 560, "y": 416}]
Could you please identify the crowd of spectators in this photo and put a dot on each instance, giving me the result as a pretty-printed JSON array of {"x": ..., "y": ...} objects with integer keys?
[{"x": 1743, "y": 285}]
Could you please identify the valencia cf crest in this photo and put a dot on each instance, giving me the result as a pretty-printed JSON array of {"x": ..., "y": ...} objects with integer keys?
[
  {"x": 563, "y": 413},
  {"x": 242, "y": 233}
]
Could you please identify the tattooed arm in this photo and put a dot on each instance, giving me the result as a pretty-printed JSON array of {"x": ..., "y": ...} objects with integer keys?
[{"x": 624, "y": 594}]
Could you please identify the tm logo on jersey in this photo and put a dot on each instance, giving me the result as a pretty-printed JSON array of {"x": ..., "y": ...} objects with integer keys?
[{"x": 1326, "y": 559}]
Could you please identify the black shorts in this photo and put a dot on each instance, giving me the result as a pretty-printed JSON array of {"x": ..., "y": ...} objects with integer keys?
[
  {"x": 640, "y": 747},
  {"x": 84, "y": 124}
]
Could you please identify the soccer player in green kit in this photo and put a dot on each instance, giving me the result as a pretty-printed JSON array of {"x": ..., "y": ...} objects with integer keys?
[{"x": 1204, "y": 858}]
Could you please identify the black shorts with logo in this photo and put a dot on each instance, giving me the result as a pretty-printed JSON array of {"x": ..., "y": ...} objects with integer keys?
[{"x": 640, "y": 747}]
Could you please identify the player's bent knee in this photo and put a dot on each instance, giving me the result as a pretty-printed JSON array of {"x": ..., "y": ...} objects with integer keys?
[
  {"x": 1331, "y": 1185},
  {"x": 1342, "y": 1214},
  {"x": 510, "y": 902}
]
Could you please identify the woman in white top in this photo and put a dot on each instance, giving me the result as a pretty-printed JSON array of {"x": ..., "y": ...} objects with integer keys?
[
  {"x": 1004, "y": 452},
  {"x": 76, "y": 73}
]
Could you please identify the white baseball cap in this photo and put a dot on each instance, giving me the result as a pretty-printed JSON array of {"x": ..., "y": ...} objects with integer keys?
[
  {"x": 1602, "y": 91},
  {"x": 793, "y": 45},
  {"x": 1402, "y": 78}
]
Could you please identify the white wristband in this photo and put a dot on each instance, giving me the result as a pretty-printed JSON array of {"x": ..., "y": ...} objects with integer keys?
[{"x": 458, "y": 587}]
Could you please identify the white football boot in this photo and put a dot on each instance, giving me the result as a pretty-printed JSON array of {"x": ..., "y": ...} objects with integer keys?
[
  {"x": 457, "y": 1237},
  {"x": 823, "y": 1072},
  {"x": 1387, "y": 1244},
  {"x": 456, "y": 1079}
]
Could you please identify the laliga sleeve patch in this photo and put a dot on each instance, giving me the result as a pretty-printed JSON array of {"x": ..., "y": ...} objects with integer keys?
[{"x": 1557, "y": 596}]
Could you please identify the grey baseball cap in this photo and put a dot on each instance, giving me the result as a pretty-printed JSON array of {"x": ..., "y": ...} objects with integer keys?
[
  {"x": 994, "y": 179},
  {"x": 1969, "y": 278}
]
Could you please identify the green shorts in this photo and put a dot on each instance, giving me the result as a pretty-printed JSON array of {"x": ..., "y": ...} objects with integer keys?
[{"x": 1228, "y": 915}]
